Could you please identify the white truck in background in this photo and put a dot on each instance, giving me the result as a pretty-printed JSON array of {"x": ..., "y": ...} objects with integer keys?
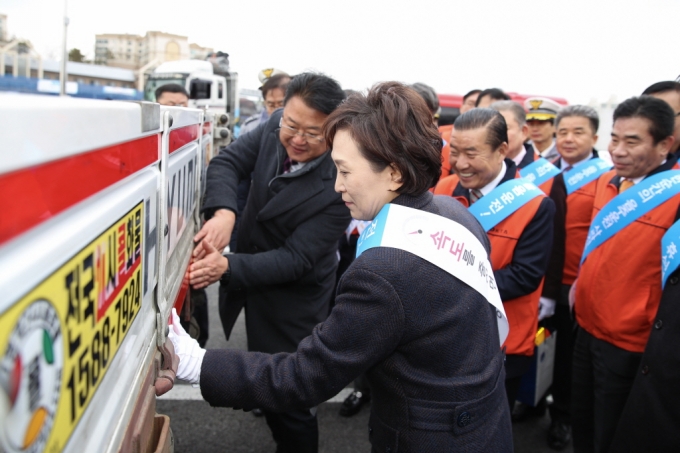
[
  {"x": 99, "y": 210},
  {"x": 211, "y": 84}
]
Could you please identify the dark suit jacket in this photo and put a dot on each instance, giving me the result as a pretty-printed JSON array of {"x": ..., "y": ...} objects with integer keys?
[
  {"x": 284, "y": 270},
  {"x": 552, "y": 286},
  {"x": 427, "y": 342}
]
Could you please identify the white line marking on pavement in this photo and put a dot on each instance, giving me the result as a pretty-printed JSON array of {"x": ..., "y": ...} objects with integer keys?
[{"x": 184, "y": 392}]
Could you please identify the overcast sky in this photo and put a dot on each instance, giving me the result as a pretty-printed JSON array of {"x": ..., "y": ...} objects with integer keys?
[{"x": 577, "y": 49}]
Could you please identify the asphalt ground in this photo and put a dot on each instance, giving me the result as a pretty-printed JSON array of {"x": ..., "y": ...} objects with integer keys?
[{"x": 199, "y": 428}]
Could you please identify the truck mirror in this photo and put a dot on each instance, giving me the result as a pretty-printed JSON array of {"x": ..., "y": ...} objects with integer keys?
[{"x": 200, "y": 89}]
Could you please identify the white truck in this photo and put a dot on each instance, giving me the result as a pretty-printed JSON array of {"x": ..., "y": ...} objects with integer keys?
[
  {"x": 99, "y": 209},
  {"x": 211, "y": 84}
]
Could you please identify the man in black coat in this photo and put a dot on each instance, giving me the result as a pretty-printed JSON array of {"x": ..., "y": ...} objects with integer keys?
[
  {"x": 651, "y": 417},
  {"x": 284, "y": 268}
]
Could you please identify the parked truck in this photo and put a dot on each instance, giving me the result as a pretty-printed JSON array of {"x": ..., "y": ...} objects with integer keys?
[
  {"x": 99, "y": 210},
  {"x": 211, "y": 84}
]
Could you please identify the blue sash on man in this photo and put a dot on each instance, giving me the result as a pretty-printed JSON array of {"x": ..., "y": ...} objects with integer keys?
[
  {"x": 670, "y": 258},
  {"x": 539, "y": 171},
  {"x": 441, "y": 241},
  {"x": 630, "y": 205},
  {"x": 582, "y": 174},
  {"x": 505, "y": 199}
]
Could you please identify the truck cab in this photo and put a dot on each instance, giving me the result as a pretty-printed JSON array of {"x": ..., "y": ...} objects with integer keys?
[{"x": 206, "y": 89}]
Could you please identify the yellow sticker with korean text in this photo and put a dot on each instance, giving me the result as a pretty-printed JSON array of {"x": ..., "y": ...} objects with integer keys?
[{"x": 58, "y": 341}]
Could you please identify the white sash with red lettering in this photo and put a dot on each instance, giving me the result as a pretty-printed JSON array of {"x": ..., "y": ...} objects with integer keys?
[{"x": 443, "y": 242}]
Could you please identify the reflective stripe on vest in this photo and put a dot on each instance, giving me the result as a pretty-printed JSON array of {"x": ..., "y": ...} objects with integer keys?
[
  {"x": 582, "y": 174},
  {"x": 670, "y": 258},
  {"x": 505, "y": 199},
  {"x": 628, "y": 206},
  {"x": 442, "y": 242},
  {"x": 539, "y": 171}
]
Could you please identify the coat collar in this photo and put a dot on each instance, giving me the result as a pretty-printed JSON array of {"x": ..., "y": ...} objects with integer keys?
[{"x": 414, "y": 201}]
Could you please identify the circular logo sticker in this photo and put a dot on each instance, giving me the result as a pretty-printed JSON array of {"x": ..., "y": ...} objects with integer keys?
[{"x": 30, "y": 379}]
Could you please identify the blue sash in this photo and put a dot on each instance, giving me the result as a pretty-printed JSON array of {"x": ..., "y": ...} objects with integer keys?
[
  {"x": 539, "y": 171},
  {"x": 628, "y": 206},
  {"x": 492, "y": 209},
  {"x": 443, "y": 242},
  {"x": 582, "y": 174},
  {"x": 670, "y": 258}
]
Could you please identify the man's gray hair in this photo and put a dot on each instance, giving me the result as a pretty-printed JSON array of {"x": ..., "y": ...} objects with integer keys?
[
  {"x": 579, "y": 110},
  {"x": 513, "y": 107}
]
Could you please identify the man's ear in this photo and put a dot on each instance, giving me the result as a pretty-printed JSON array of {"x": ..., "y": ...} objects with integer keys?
[{"x": 503, "y": 149}]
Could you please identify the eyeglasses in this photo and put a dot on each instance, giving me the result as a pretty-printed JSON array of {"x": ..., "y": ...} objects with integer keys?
[{"x": 292, "y": 132}]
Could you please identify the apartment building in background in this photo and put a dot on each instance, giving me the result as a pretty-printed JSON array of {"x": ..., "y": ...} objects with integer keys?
[{"x": 135, "y": 52}]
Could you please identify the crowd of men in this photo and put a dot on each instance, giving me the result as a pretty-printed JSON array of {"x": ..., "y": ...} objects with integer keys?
[{"x": 581, "y": 247}]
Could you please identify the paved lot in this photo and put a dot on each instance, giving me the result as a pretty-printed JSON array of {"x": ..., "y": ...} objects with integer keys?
[{"x": 199, "y": 428}]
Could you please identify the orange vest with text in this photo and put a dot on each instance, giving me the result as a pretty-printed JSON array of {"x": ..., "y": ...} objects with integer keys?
[
  {"x": 619, "y": 284},
  {"x": 522, "y": 312}
]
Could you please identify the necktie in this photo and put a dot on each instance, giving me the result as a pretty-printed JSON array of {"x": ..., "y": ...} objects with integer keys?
[
  {"x": 569, "y": 167},
  {"x": 475, "y": 195},
  {"x": 625, "y": 185},
  {"x": 287, "y": 163}
]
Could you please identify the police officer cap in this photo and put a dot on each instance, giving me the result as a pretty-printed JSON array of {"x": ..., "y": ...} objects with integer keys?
[
  {"x": 541, "y": 109},
  {"x": 266, "y": 74}
]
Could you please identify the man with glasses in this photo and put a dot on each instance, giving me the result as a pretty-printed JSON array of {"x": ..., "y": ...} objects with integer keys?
[{"x": 284, "y": 267}]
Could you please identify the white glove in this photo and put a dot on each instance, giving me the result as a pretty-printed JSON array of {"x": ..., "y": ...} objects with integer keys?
[
  {"x": 187, "y": 349},
  {"x": 546, "y": 308}
]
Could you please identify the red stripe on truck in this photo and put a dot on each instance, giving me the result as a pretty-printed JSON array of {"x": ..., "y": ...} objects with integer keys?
[
  {"x": 33, "y": 195},
  {"x": 181, "y": 136}
]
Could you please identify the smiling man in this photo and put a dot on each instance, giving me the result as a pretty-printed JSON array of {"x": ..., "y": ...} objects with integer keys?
[
  {"x": 284, "y": 267},
  {"x": 520, "y": 242},
  {"x": 619, "y": 286}
]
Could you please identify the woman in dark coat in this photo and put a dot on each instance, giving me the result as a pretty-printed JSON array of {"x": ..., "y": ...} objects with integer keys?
[{"x": 428, "y": 343}]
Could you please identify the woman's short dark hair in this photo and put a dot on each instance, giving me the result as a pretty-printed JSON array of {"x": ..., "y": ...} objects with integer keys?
[
  {"x": 317, "y": 91},
  {"x": 392, "y": 125},
  {"x": 660, "y": 115},
  {"x": 493, "y": 121},
  {"x": 280, "y": 80}
]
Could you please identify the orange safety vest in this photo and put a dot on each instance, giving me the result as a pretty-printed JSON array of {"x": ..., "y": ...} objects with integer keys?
[
  {"x": 578, "y": 217},
  {"x": 522, "y": 312},
  {"x": 445, "y": 132},
  {"x": 619, "y": 285}
]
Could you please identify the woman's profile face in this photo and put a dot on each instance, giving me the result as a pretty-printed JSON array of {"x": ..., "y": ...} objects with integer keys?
[{"x": 363, "y": 190}]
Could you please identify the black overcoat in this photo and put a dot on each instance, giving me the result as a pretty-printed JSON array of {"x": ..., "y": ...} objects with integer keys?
[
  {"x": 428, "y": 343},
  {"x": 284, "y": 268},
  {"x": 651, "y": 418}
]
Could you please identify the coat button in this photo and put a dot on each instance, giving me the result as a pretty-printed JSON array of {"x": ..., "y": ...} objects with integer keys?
[
  {"x": 658, "y": 324},
  {"x": 673, "y": 280},
  {"x": 370, "y": 430},
  {"x": 645, "y": 369},
  {"x": 464, "y": 419}
]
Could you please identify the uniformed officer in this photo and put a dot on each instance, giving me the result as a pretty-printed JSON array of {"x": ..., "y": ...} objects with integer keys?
[
  {"x": 541, "y": 114},
  {"x": 520, "y": 242}
]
